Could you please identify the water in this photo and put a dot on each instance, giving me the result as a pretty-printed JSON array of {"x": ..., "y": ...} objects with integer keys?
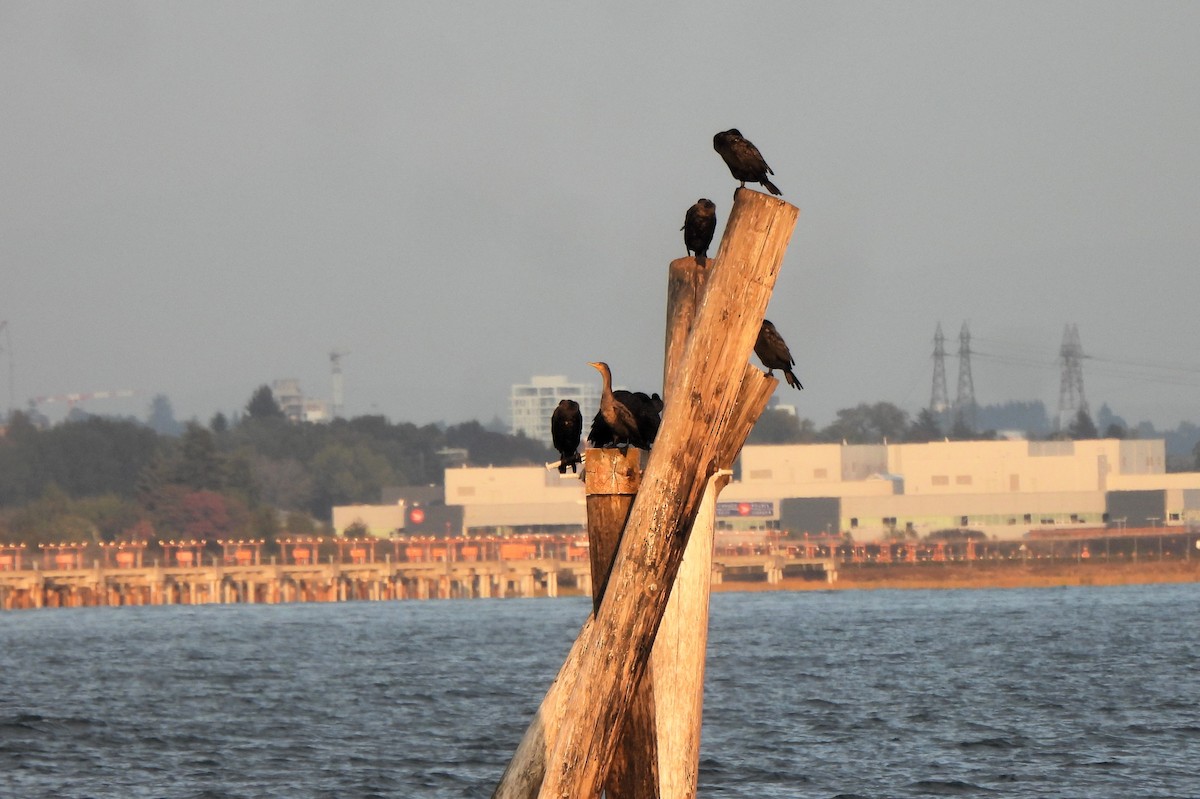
[{"x": 1076, "y": 692}]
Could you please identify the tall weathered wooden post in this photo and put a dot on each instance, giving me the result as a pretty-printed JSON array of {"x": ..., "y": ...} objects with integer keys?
[
  {"x": 611, "y": 479},
  {"x": 713, "y": 398}
]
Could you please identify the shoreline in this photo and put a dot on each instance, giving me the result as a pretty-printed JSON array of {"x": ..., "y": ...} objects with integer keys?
[{"x": 982, "y": 575}]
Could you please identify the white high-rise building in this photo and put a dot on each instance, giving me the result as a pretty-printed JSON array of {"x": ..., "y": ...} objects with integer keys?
[{"x": 531, "y": 404}]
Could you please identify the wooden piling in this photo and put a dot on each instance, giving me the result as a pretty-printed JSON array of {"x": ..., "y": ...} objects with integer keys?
[
  {"x": 611, "y": 482},
  {"x": 678, "y": 658},
  {"x": 593, "y": 693}
]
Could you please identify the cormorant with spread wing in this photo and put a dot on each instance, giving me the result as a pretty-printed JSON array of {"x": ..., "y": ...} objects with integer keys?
[
  {"x": 625, "y": 418},
  {"x": 743, "y": 159},
  {"x": 699, "y": 224},
  {"x": 773, "y": 351},
  {"x": 566, "y": 427}
]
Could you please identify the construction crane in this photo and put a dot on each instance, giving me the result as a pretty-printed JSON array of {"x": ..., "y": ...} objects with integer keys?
[
  {"x": 335, "y": 363},
  {"x": 71, "y": 400}
]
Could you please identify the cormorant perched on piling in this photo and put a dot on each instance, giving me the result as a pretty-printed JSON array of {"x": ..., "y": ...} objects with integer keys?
[
  {"x": 773, "y": 351},
  {"x": 648, "y": 412},
  {"x": 624, "y": 418},
  {"x": 566, "y": 426},
  {"x": 699, "y": 224},
  {"x": 743, "y": 159}
]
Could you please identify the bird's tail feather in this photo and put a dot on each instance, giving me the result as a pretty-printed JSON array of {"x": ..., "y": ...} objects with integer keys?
[
  {"x": 792, "y": 379},
  {"x": 771, "y": 187}
]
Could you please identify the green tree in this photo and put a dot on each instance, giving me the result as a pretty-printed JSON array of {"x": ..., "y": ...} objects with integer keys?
[
  {"x": 285, "y": 483},
  {"x": 199, "y": 465},
  {"x": 1082, "y": 427},
  {"x": 300, "y": 524},
  {"x": 344, "y": 475},
  {"x": 960, "y": 430},
  {"x": 161, "y": 418},
  {"x": 262, "y": 404},
  {"x": 87, "y": 457},
  {"x": 264, "y": 523},
  {"x": 925, "y": 428},
  {"x": 781, "y": 427},
  {"x": 497, "y": 449},
  {"x": 56, "y": 517},
  {"x": 868, "y": 424}
]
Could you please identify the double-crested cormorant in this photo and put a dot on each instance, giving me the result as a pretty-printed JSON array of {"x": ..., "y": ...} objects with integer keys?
[
  {"x": 625, "y": 418},
  {"x": 566, "y": 426},
  {"x": 743, "y": 159},
  {"x": 699, "y": 224},
  {"x": 773, "y": 351},
  {"x": 648, "y": 412}
]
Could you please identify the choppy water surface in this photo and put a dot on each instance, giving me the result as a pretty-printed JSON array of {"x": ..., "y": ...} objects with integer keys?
[{"x": 1079, "y": 692}]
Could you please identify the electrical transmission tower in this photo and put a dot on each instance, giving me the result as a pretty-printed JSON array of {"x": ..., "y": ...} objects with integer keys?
[
  {"x": 964, "y": 401},
  {"x": 939, "y": 400},
  {"x": 1070, "y": 393}
]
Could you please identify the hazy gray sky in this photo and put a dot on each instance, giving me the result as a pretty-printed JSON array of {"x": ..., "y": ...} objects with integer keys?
[{"x": 200, "y": 197}]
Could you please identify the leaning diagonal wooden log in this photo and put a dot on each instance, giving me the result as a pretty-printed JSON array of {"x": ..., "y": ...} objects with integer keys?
[
  {"x": 763, "y": 226},
  {"x": 685, "y": 455},
  {"x": 523, "y": 777}
]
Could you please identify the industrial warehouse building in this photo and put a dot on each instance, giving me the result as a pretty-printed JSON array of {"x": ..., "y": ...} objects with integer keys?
[{"x": 1002, "y": 488}]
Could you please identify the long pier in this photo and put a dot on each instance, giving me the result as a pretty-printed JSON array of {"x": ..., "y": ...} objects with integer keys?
[
  {"x": 342, "y": 570},
  {"x": 272, "y": 582}
]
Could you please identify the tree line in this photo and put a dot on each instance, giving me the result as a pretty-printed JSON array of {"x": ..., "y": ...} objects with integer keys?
[
  {"x": 882, "y": 421},
  {"x": 262, "y": 476},
  {"x": 258, "y": 476}
]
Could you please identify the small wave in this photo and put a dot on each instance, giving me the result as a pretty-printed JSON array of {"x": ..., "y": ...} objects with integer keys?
[
  {"x": 38, "y": 723},
  {"x": 947, "y": 787},
  {"x": 1000, "y": 742}
]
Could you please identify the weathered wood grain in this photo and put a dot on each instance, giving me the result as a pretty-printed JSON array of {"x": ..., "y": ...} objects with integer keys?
[{"x": 703, "y": 397}]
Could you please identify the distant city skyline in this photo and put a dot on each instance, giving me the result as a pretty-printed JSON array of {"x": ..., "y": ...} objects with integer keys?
[{"x": 137, "y": 403}]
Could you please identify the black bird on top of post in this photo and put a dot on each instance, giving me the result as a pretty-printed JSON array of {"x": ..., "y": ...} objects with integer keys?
[
  {"x": 773, "y": 351},
  {"x": 566, "y": 428},
  {"x": 743, "y": 159},
  {"x": 699, "y": 225}
]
